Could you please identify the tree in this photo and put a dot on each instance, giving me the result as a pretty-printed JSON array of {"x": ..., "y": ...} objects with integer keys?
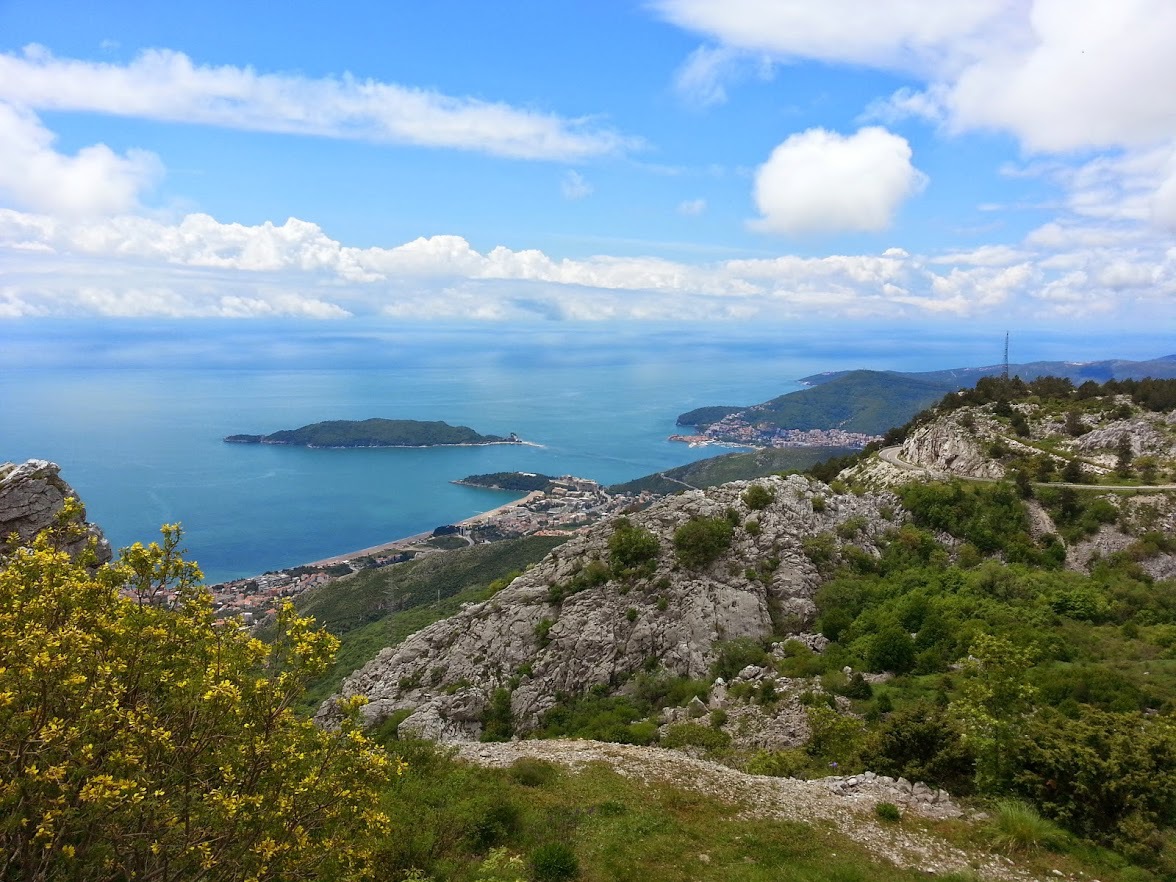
[
  {"x": 992, "y": 704},
  {"x": 1123, "y": 456},
  {"x": 141, "y": 738}
]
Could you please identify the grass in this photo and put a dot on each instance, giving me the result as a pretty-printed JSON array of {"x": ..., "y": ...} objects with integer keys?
[
  {"x": 447, "y": 817},
  {"x": 1017, "y": 827}
]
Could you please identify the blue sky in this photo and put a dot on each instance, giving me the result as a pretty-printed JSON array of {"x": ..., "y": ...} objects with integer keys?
[{"x": 781, "y": 161}]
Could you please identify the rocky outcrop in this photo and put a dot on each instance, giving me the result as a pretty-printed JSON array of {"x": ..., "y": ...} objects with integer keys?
[
  {"x": 539, "y": 641},
  {"x": 32, "y": 496},
  {"x": 948, "y": 447}
]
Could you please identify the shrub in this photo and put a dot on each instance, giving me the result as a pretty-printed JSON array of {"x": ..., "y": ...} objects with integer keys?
[
  {"x": 888, "y": 812},
  {"x": 701, "y": 541},
  {"x": 752, "y": 527},
  {"x": 532, "y": 772},
  {"x": 818, "y": 503},
  {"x": 695, "y": 735},
  {"x": 543, "y": 631},
  {"x": 631, "y": 614},
  {"x": 757, "y": 497},
  {"x": 735, "y": 655},
  {"x": 554, "y": 862},
  {"x": 632, "y": 548},
  {"x": 137, "y": 735},
  {"x": 497, "y": 719}
]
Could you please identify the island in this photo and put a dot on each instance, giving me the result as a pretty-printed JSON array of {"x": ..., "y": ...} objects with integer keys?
[{"x": 376, "y": 433}]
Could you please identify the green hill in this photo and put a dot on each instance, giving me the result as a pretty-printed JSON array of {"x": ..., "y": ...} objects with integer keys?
[
  {"x": 731, "y": 467},
  {"x": 373, "y": 433},
  {"x": 858, "y": 401},
  {"x": 1076, "y": 371}
]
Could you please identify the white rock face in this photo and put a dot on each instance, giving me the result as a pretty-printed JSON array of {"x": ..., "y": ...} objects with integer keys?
[
  {"x": 947, "y": 447},
  {"x": 446, "y": 673},
  {"x": 32, "y": 495}
]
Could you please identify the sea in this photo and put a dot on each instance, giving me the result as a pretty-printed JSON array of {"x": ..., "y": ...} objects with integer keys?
[{"x": 134, "y": 412}]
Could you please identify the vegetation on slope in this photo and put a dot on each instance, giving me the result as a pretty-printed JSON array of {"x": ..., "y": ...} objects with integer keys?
[
  {"x": 519, "y": 482},
  {"x": 372, "y": 433},
  {"x": 731, "y": 467},
  {"x": 380, "y": 607},
  {"x": 859, "y": 401}
]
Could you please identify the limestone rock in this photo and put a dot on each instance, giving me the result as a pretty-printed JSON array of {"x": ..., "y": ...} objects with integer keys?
[
  {"x": 32, "y": 495},
  {"x": 541, "y": 641}
]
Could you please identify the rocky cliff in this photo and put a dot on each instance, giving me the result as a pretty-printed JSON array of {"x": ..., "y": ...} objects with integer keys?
[
  {"x": 571, "y": 623},
  {"x": 32, "y": 496}
]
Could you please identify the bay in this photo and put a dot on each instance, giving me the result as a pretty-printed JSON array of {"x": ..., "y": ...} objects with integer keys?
[{"x": 135, "y": 413}]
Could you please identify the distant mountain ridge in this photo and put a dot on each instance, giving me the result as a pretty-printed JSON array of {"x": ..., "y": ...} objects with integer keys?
[
  {"x": 375, "y": 432},
  {"x": 1160, "y": 368},
  {"x": 872, "y": 402}
]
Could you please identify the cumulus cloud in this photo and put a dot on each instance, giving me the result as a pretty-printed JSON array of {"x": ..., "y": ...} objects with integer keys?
[
  {"x": 1057, "y": 75},
  {"x": 820, "y": 181},
  {"x": 1084, "y": 75},
  {"x": 163, "y": 84},
  {"x": 573, "y": 186},
  {"x": 198, "y": 266},
  {"x": 95, "y": 180}
]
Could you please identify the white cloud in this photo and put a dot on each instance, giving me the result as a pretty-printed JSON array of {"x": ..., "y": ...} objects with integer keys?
[
  {"x": 162, "y": 84},
  {"x": 1084, "y": 75},
  {"x": 1057, "y": 75},
  {"x": 703, "y": 78},
  {"x": 820, "y": 181},
  {"x": 894, "y": 34},
  {"x": 198, "y": 266},
  {"x": 573, "y": 186},
  {"x": 692, "y": 207},
  {"x": 96, "y": 180}
]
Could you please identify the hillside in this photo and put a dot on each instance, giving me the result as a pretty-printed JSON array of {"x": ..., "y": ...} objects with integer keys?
[
  {"x": 1075, "y": 371},
  {"x": 728, "y": 467},
  {"x": 867, "y": 402},
  {"x": 787, "y": 627},
  {"x": 373, "y": 433}
]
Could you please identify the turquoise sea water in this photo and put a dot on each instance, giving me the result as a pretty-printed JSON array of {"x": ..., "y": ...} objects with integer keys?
[{"x": 135, "y": 414}]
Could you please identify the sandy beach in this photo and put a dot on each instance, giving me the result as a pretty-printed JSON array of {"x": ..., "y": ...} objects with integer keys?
[{"x": 395, "y": 544}]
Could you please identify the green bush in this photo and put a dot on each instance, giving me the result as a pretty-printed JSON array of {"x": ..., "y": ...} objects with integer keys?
[
  {"x": 888, "y": 812},
  {"x": 632, "y": 548},
  {"x": 497, "y": 719},
  {"x": 532, "y": 772},
  {"x": 757, "y": 497},
  {"x": 701, "y": 541},
  {"x": 735, "y": 655},
  {"x": 554, "y": 862},
  {"x": 695, "y": 735}
]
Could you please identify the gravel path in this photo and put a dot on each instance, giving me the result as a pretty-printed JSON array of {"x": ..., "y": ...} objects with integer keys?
[{"x": 760, "y": 796}]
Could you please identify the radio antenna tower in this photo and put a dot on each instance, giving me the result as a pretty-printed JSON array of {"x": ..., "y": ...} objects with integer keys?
[{"x": 1005, "y": 373}]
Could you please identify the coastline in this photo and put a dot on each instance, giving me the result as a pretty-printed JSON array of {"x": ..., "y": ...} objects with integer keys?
[
  {"x": 518, "y": 443},
  {"x": 394, "y": 544}
]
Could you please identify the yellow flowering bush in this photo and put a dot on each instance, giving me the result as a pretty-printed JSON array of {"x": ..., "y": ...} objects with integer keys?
[{"x": 142, "y": 739}]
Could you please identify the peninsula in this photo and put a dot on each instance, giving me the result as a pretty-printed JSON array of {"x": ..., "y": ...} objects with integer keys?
[{"x": 376, "y": 433}]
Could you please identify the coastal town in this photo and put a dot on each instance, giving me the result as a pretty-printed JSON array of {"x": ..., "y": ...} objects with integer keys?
[
  {"x": 567, "y": 505},
  {"x": 737, "y": 431}
]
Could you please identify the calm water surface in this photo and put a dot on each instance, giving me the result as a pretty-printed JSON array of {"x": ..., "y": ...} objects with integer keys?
[{"x": 135, "y": 414}]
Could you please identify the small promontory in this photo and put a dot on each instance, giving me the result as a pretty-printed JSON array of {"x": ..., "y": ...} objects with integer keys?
[{"x": 376, "y": 433}]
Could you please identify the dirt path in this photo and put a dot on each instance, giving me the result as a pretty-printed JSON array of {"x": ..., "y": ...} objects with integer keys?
[{"x": 760, "y": 796}]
